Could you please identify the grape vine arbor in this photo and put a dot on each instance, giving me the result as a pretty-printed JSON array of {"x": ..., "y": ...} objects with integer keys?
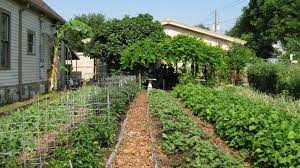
[{"x": 182, "y": 48}]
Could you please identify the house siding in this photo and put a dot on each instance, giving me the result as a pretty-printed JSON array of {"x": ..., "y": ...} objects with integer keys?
[
  {"x": 174, "y": 31},
  {"x": 10, "y": 77},
  {"x": 34, "y": 72}
]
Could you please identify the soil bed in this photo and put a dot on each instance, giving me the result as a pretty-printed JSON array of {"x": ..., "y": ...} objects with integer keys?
[{"x": 162, "y": 159}]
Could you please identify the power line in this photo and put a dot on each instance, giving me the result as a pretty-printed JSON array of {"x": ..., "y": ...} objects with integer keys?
[
  {"x": 255, "y": 13},
  {"x": 232, "y": 4}
]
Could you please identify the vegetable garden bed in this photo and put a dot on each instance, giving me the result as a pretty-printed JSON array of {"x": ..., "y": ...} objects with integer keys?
[
  {"x": 268, "y": 133},
  {"x": 71, "y": 131},
  {"x": 183, "y": 141}
]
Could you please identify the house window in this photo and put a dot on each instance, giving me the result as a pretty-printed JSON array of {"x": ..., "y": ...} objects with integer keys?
[
  {"x": 4, "y": 40},
  {"x": 31, "y": 42}
]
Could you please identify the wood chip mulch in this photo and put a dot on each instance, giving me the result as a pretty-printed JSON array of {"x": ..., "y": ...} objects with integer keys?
[{"x": 135, "y": 150}]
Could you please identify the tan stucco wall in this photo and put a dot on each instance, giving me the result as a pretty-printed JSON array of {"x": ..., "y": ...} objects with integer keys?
[
  {"x": 85, "y": 65},
  {"x": 173, "y": 31}
]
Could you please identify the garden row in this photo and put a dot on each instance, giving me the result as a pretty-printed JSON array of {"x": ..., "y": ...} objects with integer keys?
[
  {"x": 286, "y": 104},
  {"x": 90, "y": 141},
  {"x": 184, "y": 142},
  {"x": 269, "y": 134},
  {"x": 82, "y": 121}
]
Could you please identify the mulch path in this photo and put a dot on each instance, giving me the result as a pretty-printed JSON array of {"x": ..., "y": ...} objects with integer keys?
[
  {"x": 135, "y": 150},
  {"x": 209, "y": 129}
]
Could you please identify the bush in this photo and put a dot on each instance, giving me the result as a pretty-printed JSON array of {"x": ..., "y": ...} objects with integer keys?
[
  {"x": 275, "y": 78},
  {"x": 237, "y": 58}
]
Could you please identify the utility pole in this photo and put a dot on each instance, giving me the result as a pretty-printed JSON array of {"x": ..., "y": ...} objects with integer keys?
[{"x": 216, "y": 21}]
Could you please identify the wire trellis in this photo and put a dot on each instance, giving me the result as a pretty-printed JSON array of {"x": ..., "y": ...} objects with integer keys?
[{"x": 29, "y": 136}]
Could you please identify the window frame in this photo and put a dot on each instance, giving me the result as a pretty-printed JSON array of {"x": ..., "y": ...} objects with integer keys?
[
  {"x": 34, "y": 47},
  {"x": 8, "y": 66}
]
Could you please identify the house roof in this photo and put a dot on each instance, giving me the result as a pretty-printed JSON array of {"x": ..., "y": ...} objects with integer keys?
[
  {"x": 202, "y": 31},
  {"x": 41, "y": 6}
]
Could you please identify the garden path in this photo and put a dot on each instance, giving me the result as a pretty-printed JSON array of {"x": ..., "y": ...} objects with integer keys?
[{"x": 135, "y": 150}]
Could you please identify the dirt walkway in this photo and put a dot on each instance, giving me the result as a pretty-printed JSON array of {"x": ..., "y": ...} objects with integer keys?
[{"x": 135, "y": 150}]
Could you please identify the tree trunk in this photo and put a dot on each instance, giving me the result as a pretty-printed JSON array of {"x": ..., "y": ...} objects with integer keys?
[{"x": 54, "y": 69}]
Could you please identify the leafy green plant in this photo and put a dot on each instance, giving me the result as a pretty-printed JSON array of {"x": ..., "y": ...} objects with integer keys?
[
  {"x": 181, "y": 135},
  {"x": 137, "y": 57},
  {"x": 271, "y": 134},
  {"x": 20, "y": 131},
  {"x": 91, "y": 138},
  {"x": 115, "y": 35}
]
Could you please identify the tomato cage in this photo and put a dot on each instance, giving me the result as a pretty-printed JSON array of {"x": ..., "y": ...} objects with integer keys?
[{"x": 50, "y": 132}]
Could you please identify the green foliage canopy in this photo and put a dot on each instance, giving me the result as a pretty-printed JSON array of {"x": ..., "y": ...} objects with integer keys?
[
  {"x": 264, "y": 22},
  {"x": 118, "y": 34},
  {"x": 193, "y": 50},
  {"x": 140, "y": 55},
  {"x": 74, "y": 38},
  {"x": 189, "y": 49},
  {"x": 238, "y": 57}
]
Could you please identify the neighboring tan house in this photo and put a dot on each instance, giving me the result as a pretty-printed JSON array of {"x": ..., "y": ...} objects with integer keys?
[
  {"x": 173, "y": 28},
  {"x": 27, "y": 30},
  {"x": 83, "y": 67}
]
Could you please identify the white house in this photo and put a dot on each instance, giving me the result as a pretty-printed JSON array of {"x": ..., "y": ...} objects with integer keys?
[{"x": 27, "y": 28}]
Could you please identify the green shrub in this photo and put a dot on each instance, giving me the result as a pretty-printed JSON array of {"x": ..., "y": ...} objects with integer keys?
[
  {"x": 270, "y": 134},
  {"x": 275, "y": 78}
]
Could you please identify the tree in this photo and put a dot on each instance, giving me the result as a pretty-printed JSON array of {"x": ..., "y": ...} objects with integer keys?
[
  {"x": 58, "y": 43},
  {"x": 118, "y": 34},
  {"x": 192, "y": 50},
  {"x": 202, "y": 26},
  {"x": 138, "y": 56},
  {"x": 74, "y": 38},
  {"x": 264, "y": 22},
  {"x": 237, "y": 58}
]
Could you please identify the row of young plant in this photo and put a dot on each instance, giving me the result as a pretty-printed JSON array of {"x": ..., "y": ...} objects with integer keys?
[
  {"x": 287, "y": 104},
  {"x": 90, "y": 142},
  {"x": 21, "y": 131},
  {"x": 183, "y": 139},
  {"x": 271, "y": 135}
]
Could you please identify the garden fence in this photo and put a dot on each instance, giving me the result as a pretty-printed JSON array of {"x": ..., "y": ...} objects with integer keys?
[{"x": 30, "y": 136}]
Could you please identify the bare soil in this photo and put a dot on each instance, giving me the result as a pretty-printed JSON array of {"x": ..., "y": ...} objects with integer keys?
[{"x": 162, "y": 159}]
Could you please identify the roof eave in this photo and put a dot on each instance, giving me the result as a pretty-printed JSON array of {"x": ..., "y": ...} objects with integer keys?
[
  {"x": 203, "y": 31},
  {"x": 46, "y": 10}
]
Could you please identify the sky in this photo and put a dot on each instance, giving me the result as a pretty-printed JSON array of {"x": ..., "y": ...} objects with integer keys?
[{"x": 190, "y": 12}]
